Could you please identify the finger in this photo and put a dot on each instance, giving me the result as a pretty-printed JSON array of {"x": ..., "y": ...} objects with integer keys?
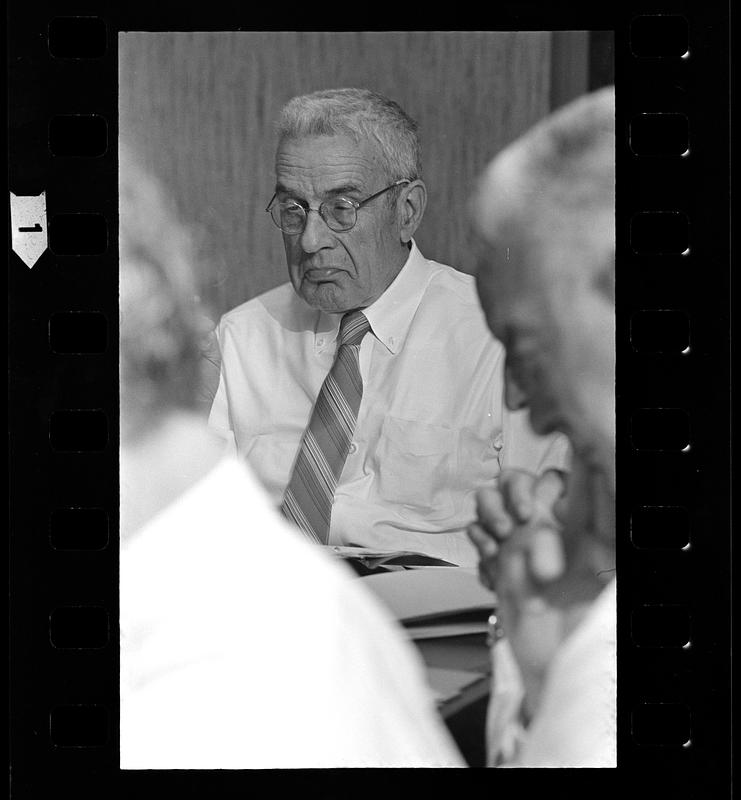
[
  {"x": 561, "y": 510},
  {"x": 548, "y": 493},
  {"x": 492, "y": 514},
  {"x": 517, "y": 488},
  {"x": 487, "y": 549},
  {"x": 546, "y": 557},
  {"x": 511, "y": 575},
  {"x": 483, "y": 540},
  {"x": 550, "y": 487}
]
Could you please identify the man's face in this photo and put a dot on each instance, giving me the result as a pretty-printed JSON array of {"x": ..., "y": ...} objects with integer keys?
[
  {"x": 556, "y": 324},
  {"x": 338, "y": 271}
]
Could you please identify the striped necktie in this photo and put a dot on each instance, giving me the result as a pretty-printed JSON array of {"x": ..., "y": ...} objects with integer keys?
[{"x": 310, "y": 493}]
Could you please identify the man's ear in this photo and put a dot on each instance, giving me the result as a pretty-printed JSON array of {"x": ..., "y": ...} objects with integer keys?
[{"x": 411, "y": 207}]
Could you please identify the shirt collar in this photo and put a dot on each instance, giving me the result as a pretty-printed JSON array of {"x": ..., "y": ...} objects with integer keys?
[{"x": 391, "y": 315}]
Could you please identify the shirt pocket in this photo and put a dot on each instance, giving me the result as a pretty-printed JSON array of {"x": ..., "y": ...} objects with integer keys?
[{"x": 414, "y": 466}]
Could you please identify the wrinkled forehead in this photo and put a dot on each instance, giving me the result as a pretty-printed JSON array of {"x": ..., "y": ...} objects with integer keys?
[{"x": 325, "y": 152}]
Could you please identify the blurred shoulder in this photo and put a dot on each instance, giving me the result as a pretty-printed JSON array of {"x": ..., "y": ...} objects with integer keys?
[{"x": 280, "y": 307}]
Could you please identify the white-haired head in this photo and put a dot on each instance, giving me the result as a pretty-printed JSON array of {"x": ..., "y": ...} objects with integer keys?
[
  {"x": 362, "y": 115},
  {"x": 544, "y": 213},
  {"x": 555, "y": 188}
]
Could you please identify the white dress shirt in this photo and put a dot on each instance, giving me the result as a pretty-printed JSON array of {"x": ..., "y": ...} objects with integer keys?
[
  {"x": 432, "y": 426},
  {"x": 243, "y": 646}
]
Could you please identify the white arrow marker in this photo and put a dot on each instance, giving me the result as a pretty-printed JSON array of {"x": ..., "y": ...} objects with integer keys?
[{"x": 28, "y": 226}]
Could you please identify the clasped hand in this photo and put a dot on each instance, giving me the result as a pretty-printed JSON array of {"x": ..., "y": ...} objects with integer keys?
[
  {"x": 523, "y": 558},
  {"x": 517, "y": 532}
]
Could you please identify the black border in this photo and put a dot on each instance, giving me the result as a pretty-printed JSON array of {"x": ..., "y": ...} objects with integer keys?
[{"x": 41, "y": 381}]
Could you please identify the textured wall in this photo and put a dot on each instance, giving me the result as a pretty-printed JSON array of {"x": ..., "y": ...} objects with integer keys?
[{"x": 199, "y": 109}]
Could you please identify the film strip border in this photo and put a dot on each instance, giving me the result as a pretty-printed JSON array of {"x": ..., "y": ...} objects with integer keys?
[
  {"x": 63, "y": 333},
  {"x": 673, "y": 412}
]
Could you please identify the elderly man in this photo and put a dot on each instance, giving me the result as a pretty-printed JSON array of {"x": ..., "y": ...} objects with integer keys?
[
  {"x": 367, "y": 392},
  {"x": 544, "y": 213},
  {"x": 228, "y": 662}
]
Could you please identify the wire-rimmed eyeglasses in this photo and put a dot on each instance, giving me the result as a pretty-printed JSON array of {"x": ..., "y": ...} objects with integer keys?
[{"x": 340, "y": 213}]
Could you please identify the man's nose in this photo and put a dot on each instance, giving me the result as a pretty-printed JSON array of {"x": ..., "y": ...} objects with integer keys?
[
  {"x": 514, "y": 397},
  {"x": 316, "y": 233}
]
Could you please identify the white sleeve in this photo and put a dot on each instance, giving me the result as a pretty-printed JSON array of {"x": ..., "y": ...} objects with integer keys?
[
  {"x": 390, "y": 718},
  {"x": 289, "y": 693},
  {"x": 257, "y": 651},
  {"x": 219, "y": 419},
  {"x": 523, "y": 449}
]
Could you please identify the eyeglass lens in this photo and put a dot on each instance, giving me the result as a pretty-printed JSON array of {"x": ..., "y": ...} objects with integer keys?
[{"x": 338, "y": 213}]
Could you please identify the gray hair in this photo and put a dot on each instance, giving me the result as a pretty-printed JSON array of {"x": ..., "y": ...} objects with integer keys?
[
  {"x": 363, "y": 115},
  {"x": 570, "y": 155},
  {"x": 568, "y": 175}
]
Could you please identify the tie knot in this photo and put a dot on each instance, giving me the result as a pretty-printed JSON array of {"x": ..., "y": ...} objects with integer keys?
[{"x": 353, "y": 328}]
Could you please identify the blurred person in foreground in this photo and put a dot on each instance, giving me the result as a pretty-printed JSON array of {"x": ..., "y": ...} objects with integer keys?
[
  {"x": 544, "y": 215},
  {"x": 242, "y": 646}
]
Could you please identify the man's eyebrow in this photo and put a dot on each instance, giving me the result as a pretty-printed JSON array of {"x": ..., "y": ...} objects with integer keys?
[
  {"x": 282, "y": 189},
  {"x": 349, "y": 188}
]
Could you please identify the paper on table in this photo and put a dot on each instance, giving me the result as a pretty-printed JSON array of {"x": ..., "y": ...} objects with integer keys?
[
  {"x": 443, "y": 596},
  {"x": 375, "y": 558},
  {"x": 449, "y": 683},
  {"x": 439, "y": 630}
]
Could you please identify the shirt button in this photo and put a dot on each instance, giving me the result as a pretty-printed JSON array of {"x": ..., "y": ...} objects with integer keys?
[
  {"x": 320, "y": 341},
  {"x": 353, "y": 448}
]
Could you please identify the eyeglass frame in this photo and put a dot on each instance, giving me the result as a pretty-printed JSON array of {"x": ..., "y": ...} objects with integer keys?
[{"x": 355, "y": 203}]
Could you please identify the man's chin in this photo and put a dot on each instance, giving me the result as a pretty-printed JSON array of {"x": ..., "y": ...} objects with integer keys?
[{"x": 325, "y": 296}]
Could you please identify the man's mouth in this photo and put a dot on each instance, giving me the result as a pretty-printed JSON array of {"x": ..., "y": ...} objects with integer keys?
[{"x": 320, "y": 274}]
